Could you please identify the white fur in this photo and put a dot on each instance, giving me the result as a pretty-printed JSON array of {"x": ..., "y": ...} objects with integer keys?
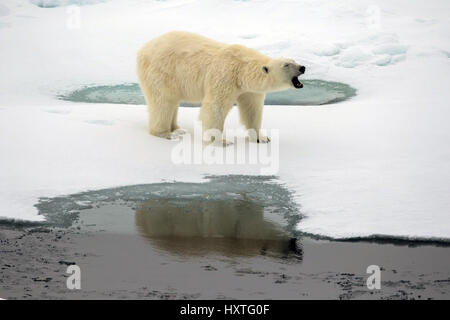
[{"x": 182, "y": 66}]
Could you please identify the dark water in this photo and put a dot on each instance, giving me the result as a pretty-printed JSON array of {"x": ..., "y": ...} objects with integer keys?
[
  {"x": 195, "y": 228},
  {"x": 228, "y": 214},
  {"x": 314, "y": 92},
  {"x": 199, "y": 227},
  {"x": 231, "y": 215}
]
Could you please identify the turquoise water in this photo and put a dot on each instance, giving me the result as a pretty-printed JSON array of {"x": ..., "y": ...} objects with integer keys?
[{"x": 314, "y": 92}]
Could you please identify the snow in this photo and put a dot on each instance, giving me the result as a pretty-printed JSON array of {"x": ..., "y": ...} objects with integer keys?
[{"x": 378, "y": 164}]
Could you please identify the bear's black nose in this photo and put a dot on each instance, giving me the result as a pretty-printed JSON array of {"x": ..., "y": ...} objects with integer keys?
[{"x": 302, "y": 69}]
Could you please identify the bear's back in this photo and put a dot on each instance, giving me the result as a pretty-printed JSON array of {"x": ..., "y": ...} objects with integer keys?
[{"x": 180, "y": 44}]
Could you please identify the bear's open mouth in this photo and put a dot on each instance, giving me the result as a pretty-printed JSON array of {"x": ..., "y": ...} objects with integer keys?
[{"x": 296, "y": 83}]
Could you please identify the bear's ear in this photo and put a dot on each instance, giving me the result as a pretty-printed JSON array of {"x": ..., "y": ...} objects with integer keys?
[{"x": 265, "y": 69}]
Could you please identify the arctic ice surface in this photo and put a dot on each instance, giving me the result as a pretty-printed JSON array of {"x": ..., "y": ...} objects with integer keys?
[
  {"x": 314, "y": 92},
  {"x": 376, "y": 164}
]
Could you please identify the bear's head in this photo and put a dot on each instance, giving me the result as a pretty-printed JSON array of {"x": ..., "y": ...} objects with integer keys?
[{"x": 282, "y": 74}]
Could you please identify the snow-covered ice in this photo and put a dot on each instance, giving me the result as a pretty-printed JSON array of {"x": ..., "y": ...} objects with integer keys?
[{"x": 378, "y": 164}]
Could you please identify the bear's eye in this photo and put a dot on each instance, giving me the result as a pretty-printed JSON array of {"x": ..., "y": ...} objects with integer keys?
[{"x": 286, "y": 65}]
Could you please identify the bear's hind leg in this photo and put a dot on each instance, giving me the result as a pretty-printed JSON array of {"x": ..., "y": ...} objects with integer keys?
[
  {"x": 175, "y": 128},
  {"x": 161, "y": 110},
  {"x": 160, "y": 119}
]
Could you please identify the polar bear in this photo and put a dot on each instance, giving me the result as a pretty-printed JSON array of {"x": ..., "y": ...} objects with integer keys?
[{"x": 183, "y": 66}]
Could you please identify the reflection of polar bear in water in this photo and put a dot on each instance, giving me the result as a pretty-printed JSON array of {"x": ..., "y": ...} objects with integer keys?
[
  {"x": 182, "y": 66},
  {"x": 232, "y": 226}
]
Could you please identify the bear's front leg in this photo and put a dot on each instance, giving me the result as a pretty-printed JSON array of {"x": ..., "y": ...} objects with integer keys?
[
  {"x": 212, "y": 115},
  {"x": 250, "y": 106}
]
